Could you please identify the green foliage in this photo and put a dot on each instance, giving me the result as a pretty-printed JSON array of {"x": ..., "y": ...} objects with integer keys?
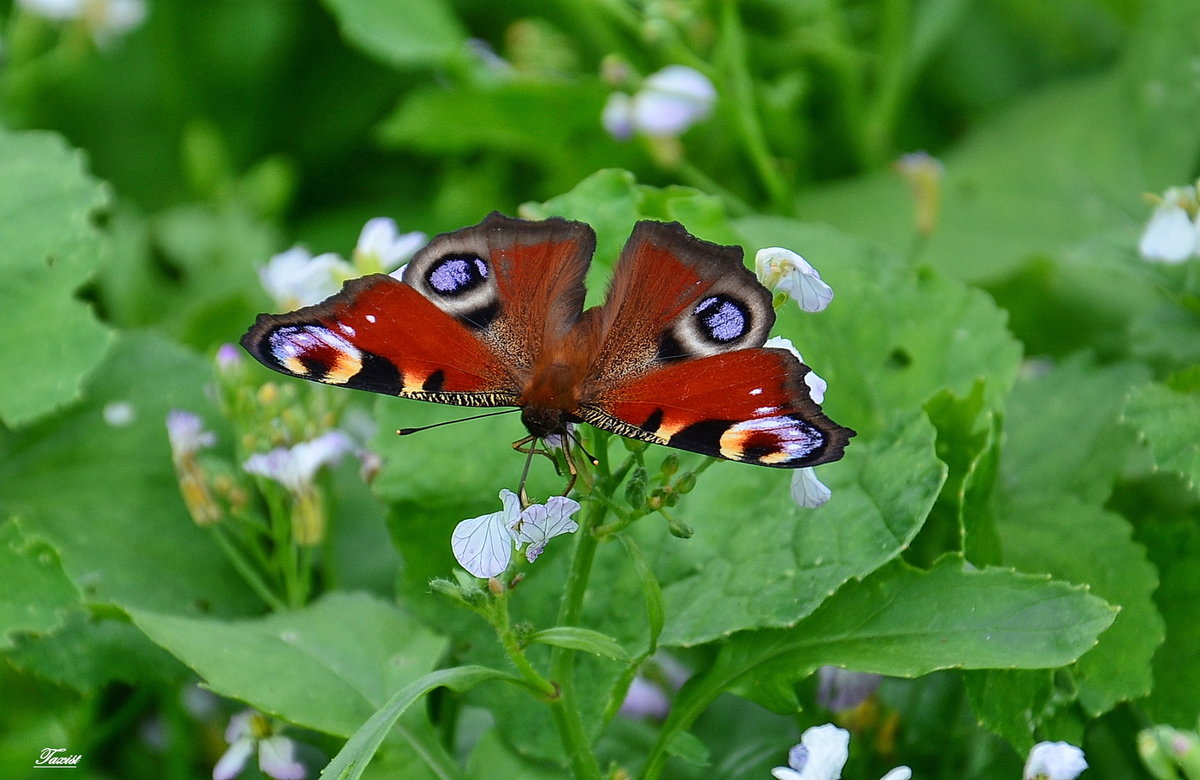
[{"x": 1012, "y": 537}]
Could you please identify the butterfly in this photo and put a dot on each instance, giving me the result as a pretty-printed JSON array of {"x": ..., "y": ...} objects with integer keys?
[{"x": 492, "y": 315}]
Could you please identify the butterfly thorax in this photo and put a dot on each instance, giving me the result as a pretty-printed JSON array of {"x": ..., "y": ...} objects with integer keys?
[{"x": 551, "y": 396}]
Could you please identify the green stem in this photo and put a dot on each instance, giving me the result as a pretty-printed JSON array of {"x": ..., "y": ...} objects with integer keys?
[
  {"x": 247, "y": 571},
  {"x": 508, "y": 639},
  {"x": 893, "y": 74},
  {"x": 746, "y": 112},
  {"x": 565, "y": 706}
]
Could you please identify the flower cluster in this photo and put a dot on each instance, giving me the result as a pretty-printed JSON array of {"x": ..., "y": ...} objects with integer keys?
[
  {"x": 296, "y": 278},
  {"x": 484, "y": 545},
  {"x": 1173, "y": 233}
]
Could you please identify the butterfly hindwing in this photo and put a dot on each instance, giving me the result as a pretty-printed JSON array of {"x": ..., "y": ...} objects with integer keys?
[
  {"x": 749, "y": 405},
  {"x": 381, "y": 335}
]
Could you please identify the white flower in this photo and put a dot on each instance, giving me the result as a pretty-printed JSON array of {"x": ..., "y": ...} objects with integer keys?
[
  {"x": 1172, "y": 236},
  {"x": 187, "y": 434},
  {"x": 295, "y": 278},
  {"x": 296, "y": 467},
  {"x": 1054, "y": 761},
  {"x": 249, "y": 732},
  {"x": 785, "y": 271},
  {"x": 103, "y": 18},
  {"x": 821, "y": 754},
  {"x": 668, "y": 103},
  {"x": 484, "y": 545},
  {"x": 540, "y": 523},
  {"x": 807, "y": 491},
  {"x": 382, "y": 248},
  {"x": 816, "y": 385}
]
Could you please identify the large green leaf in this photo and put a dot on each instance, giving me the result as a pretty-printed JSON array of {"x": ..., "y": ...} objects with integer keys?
[
  {"x": 48, "y": 250},
  {"x": 328, "y": 666},
  {"x": 105, "y": 494},
  {"x": 905, "y": 622},
  {"x": 758, "y": 560}
]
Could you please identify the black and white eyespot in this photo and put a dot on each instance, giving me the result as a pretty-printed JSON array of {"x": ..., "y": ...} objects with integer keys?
[
  {"x": 456, "y": 275},
  {"x": 719, "y": 322}
]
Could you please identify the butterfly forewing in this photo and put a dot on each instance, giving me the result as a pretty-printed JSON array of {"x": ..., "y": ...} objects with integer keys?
[{"x": 381, "y": 335}]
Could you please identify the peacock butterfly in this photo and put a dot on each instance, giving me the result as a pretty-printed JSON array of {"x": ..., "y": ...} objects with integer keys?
[{"x": 492, "y": 315}]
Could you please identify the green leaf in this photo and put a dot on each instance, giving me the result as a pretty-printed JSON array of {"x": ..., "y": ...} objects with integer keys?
[
  {"x": 300, "y": 665},
  {"x": 352, "y": 759},
  {"x": 405, "y": 33},
  {"x": 1073, "y": 541},
  {"x": 91, "y": 652},
  {"x": 759, "y": 560},
  {"x": 905, "y": 622},
  {"x": 962, "y": 519},
  {"x": 1063, "y": 434},
  {"x": 1010, "y": 702},
  {"x": 651, "y": 590},
  {"x": 584, "y": 639},
  {"x": 1170, "y": 424},
  {"x": 35, "y": 594},
  {"x": 48, "y": 250},
  {"x": 138, "y": 546}
]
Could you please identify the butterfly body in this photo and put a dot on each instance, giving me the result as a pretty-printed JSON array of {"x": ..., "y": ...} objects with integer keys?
[{"x": 492, "y": 315}]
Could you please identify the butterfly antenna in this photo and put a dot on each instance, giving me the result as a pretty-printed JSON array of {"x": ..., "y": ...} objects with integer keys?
[
  {"x": 407, "y": 431},
  {"x": 579, "y": 443}
]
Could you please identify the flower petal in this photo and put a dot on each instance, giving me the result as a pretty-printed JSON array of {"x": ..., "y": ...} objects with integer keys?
[
  {"x": 381, "y": 246},
  {"x": 807, "y": 491},
  {"x": 617, "y": 117},
  {"x": 233, "y": 761},
  {"x": 277, "y": 758},
  {"x": 540, "y": 523},
  {"x": 484, "y": 545},
  {"x": 899, "y": 773},
  {"x": 295, "y": 278},
  {"x": 672, "y": 100},
  {"x": 187, "y": 435},
  {"x": 828, "y": 749},
  {"x": 1170, "y": 236},
  {"x": 1054, "y": 761}
]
